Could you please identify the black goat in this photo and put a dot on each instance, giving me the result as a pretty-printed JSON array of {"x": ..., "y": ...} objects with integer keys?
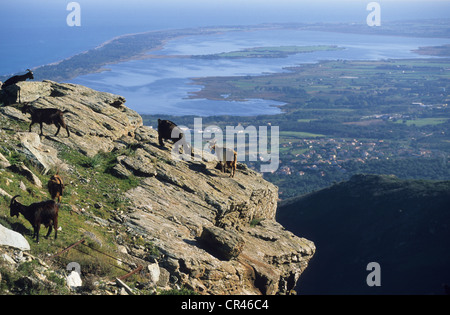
[
  {"x": 18, "y": 78},
  {"x": 49, "y": 116},
  {"x": 13, "y": 81},
  {"x": 166, "y": 131},
  {"x": 45, "y": 212}
]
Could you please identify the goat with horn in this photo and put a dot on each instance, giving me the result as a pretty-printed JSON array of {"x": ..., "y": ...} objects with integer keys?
[{"x": 45, "y": 213}]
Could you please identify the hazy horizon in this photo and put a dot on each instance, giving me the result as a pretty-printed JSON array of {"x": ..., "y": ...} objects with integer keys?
[{"x": 38, "y": 33}]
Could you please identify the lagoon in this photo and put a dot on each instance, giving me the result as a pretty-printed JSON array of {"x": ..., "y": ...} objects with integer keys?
[{"x": 163, "y": 85}]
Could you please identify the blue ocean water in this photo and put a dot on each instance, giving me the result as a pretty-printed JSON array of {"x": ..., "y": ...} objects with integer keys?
[
  {"x": 158, "y": 86},
  {"x": 35, "y": 33}
]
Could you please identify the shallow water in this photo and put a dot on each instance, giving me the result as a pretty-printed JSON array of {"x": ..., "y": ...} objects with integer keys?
[{"x": 161, "y": 86}]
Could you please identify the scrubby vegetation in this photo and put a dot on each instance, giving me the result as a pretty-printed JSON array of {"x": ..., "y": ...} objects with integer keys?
[{"x": 93, "y": 198}]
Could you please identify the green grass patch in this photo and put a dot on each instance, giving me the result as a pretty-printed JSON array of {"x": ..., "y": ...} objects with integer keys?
[
  {"x": 274, "y": 52},
  {"x": 423, "y": 122},
  {"x": 306, "y": 120},
  {"x": 299, "y": 134},
  {"x": 90, "y": 189}
]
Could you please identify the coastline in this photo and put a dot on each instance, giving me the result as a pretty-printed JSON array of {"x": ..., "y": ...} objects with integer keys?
[
  {"x": 137, "y": 46},
  {"x": 127, "y": 47}
]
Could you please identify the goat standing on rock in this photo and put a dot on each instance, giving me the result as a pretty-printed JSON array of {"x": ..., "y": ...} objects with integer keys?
[
  {"x": 227, "y": 157},
  {"x": 45, "y": 212},
  {"x": 16, "y": 79},
  {"x": 168, "y": 130},
  {"x": 49, "y": 116}
]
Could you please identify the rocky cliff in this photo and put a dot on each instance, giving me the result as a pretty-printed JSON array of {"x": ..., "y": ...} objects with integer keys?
[{"x": 212, "y": 234}]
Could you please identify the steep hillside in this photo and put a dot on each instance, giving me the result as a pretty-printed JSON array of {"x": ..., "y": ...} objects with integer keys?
[
  {"x": 404, "y": 225},
  {"x": 188, "y": 225}
]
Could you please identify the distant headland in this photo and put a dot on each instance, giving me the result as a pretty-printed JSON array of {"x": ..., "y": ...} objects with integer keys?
[{"x": 140, "y": 45}]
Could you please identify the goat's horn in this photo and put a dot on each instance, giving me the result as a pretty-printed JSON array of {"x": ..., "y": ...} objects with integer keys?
[{"x": 14, "y": 199}]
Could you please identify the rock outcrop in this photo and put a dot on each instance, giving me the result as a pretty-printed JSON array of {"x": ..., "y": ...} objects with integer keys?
[
  {"x": 214, "y": 234},
  {"x": 218, "y": 234},
  {"x": 12, "y": 239},
  {"x": 96, "y": 119}
]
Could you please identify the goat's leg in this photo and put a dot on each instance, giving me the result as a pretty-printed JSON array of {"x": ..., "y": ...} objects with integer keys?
[
  {"x": 55, "y": 224},
  {"x": 192, "y": 153},
  {"x": 68, "y": 133},
  {"x": 32, "y": 123},
  {"x": 57, "y": 131},
  {"x": 42, "y": 133},
  {"x": 230, "y": 168},
  {"x": 36, "y": 232},
  {"x": 49, "y": 231},
  {"x": 176, "y": 147}
]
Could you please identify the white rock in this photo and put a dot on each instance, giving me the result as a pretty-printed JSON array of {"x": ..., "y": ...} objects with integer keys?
[
  {"x": 4, "y": 193},
  {"x": 44, "y": 156},
  {"x": 22, "y": 186},
  {"x": 8, "y": 259},
  {"x": 4, "y": 162},
  {"x": 154, "y": 271},
  {"x": 74, "y": 280},
  {"x": 13, "y": 239}
]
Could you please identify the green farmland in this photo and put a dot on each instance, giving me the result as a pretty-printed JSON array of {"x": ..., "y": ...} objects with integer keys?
[{"x": 269, "y": 52}]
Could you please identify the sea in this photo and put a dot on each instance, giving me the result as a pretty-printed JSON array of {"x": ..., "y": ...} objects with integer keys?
[{"x": 37, "y": 33}]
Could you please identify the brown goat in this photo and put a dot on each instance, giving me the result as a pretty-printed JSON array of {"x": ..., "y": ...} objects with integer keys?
[
  {"x": 56, "y": 187},
  {"x": 45, "y": 212},
  {"x": 49, "y": 116},
  {"x": 227, "y": 157}
]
